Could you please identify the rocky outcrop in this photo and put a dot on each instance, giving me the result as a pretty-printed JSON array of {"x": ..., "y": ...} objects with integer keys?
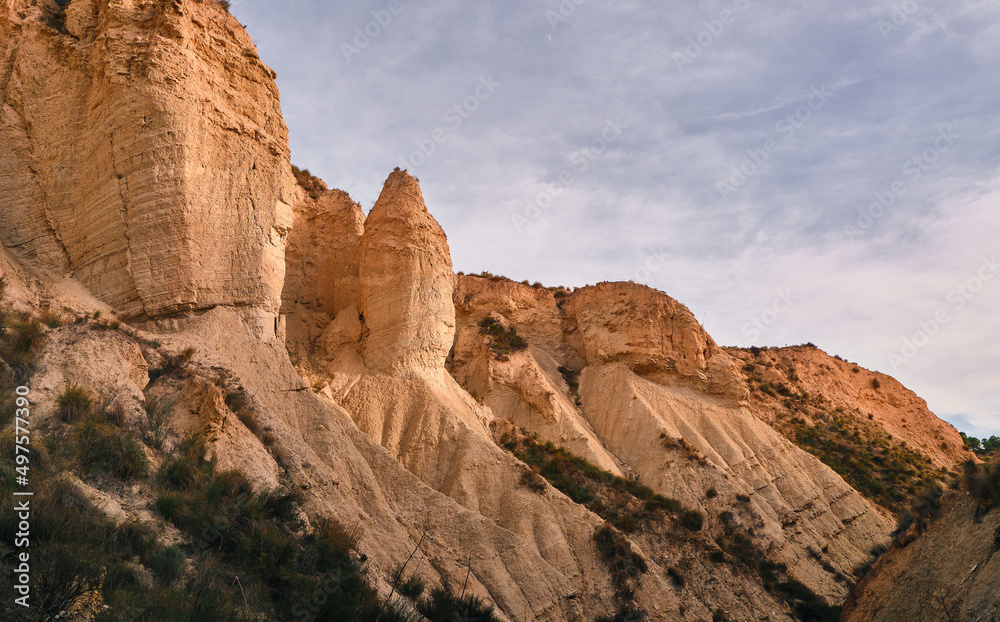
[
  {"x": 159, "y": 177},
  {"x": 657, "y": 398},
  {"x": 870, "y": 400},
  {"x": 406, "y": 282}
]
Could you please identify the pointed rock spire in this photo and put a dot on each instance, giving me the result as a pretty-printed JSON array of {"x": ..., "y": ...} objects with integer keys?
[{"x": 406, "y": 282}]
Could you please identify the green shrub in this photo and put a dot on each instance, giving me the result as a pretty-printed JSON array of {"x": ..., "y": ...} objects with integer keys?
[
  {"x": 112, "y": 410},
  {"x": 172, "y": 364},
  {"x": 170, "y": 505},
  {"x": 180, "y": 473},
  {"x": 168, "y": 565},
  {"x": 73, "y": 404},
  {"x": 50, "y": 319},
  {"x": 102, "y": 447},
  {"x": 692, "y": 520},
  {"x": 336, "y": 538},
  {"x": 503, "y": 341},
  {"x": 412, "y": 588}
]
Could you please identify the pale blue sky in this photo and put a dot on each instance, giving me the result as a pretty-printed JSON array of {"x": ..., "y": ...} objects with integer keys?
[{"x": 579, "y": 141}]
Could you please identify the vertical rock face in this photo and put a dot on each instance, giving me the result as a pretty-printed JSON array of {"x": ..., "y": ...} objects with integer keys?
[
  {"x": 322, "y": 253},
  {"x": 321, "y": 267},
  {"x": 160, "y": 175},
  {"x": 406, "y": 282}
]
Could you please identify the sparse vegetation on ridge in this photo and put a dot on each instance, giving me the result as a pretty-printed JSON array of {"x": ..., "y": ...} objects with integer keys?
[
  {"x": 244, "y": 555},
  {"x": 624, "y": 503},
  {"x": 883, "y": 470},
  {"x": 314, "y": 186}
]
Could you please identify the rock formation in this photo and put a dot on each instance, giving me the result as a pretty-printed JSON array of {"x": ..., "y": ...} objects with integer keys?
[
  {"x": 159, "y": 176},
  {"x": 945, "y": 567},
  {"x": 405, "y": 282},
  {"x": 145, "y": 177},
  {"x": 870, "y": 400}
]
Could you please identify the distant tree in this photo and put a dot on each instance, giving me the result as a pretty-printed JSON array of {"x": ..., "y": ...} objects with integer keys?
[
  {"x": 971, "y": 442},
  {"x": 991, "y": 444}
]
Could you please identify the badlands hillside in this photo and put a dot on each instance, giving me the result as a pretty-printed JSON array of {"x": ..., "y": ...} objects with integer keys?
[{"x": 249, "y": 400}]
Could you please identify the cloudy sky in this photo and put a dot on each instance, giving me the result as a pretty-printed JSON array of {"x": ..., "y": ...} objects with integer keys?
[{"x": 792, "y": 171}]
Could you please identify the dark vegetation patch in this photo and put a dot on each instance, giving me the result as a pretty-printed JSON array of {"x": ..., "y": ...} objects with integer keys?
[
  {"x": 625, "y": 566},
  {"x": 571, "y": 377},
  {"x": 73, "y": 403},
  {"x": 983, "y": 483},
  {"x": 503, "y": 341},
  {"x": 624, "y": 503},
  {"x": 21, "y": 337},
  {"x": 104, "y": 448},
  {"x": 173, "y": 365},
  {"x": 984, "y": 447},
  {"x": 444, "y": 605},
  {"x": 887, "y": 473}
]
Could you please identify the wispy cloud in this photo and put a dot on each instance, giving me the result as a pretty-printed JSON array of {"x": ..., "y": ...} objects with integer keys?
[{"x": 802, "y": 97}]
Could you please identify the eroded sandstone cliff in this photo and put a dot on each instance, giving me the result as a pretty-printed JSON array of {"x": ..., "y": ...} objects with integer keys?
[
  {"x": 145, "y": 154},
  {"x": 404, "y": 400}
]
